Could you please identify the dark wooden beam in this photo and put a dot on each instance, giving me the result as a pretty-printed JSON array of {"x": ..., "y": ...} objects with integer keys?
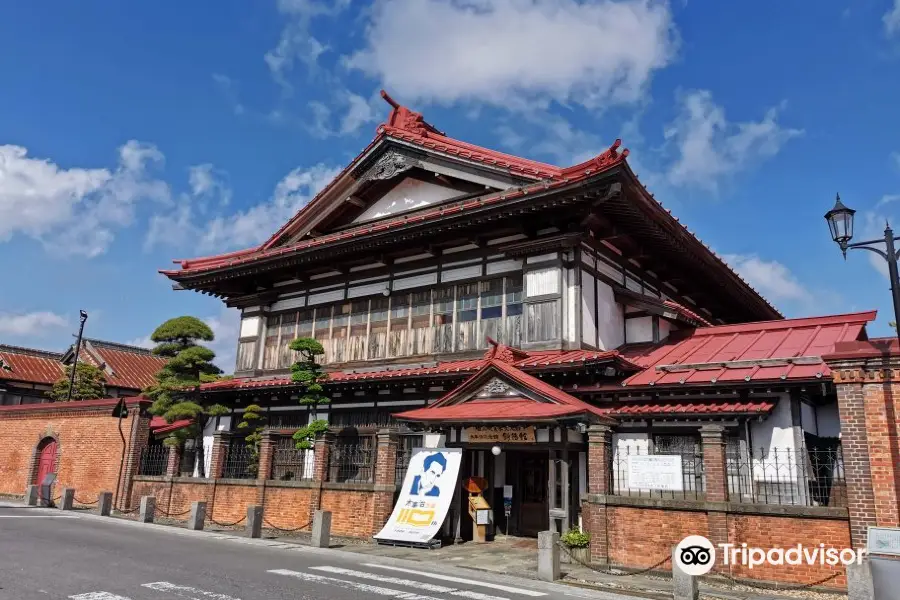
[{"x": 356, "y": 201}]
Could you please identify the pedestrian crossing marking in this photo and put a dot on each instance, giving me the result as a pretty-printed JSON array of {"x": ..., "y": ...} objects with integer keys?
[
  {"x": 183, "y": 591},
  {"x": 98, "y": 596},
  {"x": 428, "y": 587},
  {"x": 474, "y": 582},
  {"x": 353, "y": 585}
]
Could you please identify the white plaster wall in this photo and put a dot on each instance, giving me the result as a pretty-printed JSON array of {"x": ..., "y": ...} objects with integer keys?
[
  {"x": 409, "y": 194},
  {"x": 434, "y": 440},
  {"x": 249, "y": 326},
  {"x": 208, "y": 432},
  {"x": 588, "y": 306},
  {"x": 829, "y": 420},
  {"x": 571, "y": 306},
  {"x": 639, "y": 329},
  {"x": 774, "y": 438},
  {"x": 665, "y": 329},
  {"x": 610, "y": 318}
]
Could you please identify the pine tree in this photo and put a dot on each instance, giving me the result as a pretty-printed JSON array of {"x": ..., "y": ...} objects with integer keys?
[
  {"x": 89, "y": 384},
  {"x": 176, "y": 393},
  {"x": 307, "y": 372}
]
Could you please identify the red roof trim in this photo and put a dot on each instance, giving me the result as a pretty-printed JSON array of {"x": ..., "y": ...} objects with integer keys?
[
  {"x": 77, "y": 404},
  {"x": 840, "y": 319},
  {"x": 691, "y": 408},
  {"x": 864, "y": 349}
]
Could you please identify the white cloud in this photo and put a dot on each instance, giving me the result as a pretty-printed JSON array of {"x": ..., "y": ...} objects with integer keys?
[
  {"x": 770, "y": 278},
  {"x": 75, "y": 210},
  {"x": 516, "y": 53},
  {"x": 711, "y": 148},
  {"x": 297, "y": 41},
  {"x": 182, "y": 227},
  {"x": 229, "y": 89},
  {"x": 891, "y": 19},
  {"x": 206, "y": 181},
  {"x": 33, "y": 323},
  {"x": 142, "y": 342}
]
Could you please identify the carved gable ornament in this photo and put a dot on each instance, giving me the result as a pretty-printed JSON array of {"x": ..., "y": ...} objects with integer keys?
[
  {"x": 495, "y": 388},
  {"x": 389, "y": 165}
]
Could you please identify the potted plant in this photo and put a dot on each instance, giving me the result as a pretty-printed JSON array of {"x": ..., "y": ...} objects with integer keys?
[{"x": 577, "y": 544}]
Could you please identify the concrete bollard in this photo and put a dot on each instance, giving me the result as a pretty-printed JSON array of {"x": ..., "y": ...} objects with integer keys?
[
  {"x": 254, "y": 521},
  {"x": 68, "y": 499},
  {"x": 104, "y": 503},
  {"x": 321, "y": 529},
  {"x": 860, "y": 584},
  {"x": 148, "y": 509},
  {"x": 548, "y": 555},
  {"x": 684, "y": 586},
  {"x": 31, "y": 495},
  {"x": 198, "y": 515}
]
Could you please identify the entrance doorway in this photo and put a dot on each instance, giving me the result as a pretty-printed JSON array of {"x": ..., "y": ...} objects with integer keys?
[
  {"x": 527, "y": 473},
  {"x": 46, "y": 460}
]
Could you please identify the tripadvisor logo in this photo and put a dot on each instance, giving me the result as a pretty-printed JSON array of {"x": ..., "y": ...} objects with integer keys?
[{"x": 695, "y": 555}]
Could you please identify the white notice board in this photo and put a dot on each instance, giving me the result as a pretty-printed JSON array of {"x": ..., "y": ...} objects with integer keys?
[{"x": 655, "y": 472}]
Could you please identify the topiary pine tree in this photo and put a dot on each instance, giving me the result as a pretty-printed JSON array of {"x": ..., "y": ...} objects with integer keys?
[
  {"x": 89, "y": 384},
  {"x": 176, "y": 394},
  {"x": 252, "y": 424},
  {"x": 307, "y": 372}
]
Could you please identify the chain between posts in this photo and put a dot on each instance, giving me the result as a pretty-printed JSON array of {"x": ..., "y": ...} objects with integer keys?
[
  {"x": 83, "y": 503},
  {"x": 608, "y": 572},
  {"x": 238, "y": 522},
  {"x": 289, "y": 530},
  {"x": 171, "y": 515}
]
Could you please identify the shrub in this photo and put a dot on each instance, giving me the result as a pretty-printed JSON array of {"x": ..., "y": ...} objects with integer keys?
[{"x": 576, "y": 538}]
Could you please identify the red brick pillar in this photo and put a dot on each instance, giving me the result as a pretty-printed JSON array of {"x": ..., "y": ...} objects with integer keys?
[
  {"x": 853, "y": 397},
  {"x": 173, "y": 466},
  {"x": 322, "y": 454},
  {"x": 217, "y": 455},
  {"x": 594, "y": 508},
  {"x": 713, "y": 439},
  {"x": 266, "y": 455},
  {"x": 385, "y": 477},
  {"x": 138, "y": 440}
]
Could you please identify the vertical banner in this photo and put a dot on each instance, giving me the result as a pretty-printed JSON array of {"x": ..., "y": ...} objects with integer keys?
[{"x": 425, "y": 497}]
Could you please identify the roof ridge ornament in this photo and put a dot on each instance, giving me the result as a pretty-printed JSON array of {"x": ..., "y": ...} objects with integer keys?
[
  {"x": 607, "y": 158},
  {"x": 405, "y": 119},
  {"x": 503, "y": 353}
]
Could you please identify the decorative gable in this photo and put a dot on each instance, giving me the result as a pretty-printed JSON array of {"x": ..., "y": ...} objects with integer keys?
[
  {"x": 407, "y": 195},
  {"x": 496, "y": 388}
]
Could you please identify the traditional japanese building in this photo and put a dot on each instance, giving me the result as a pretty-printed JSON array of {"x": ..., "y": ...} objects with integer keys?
[
  {"x": 31, "y": 373},
  {"x": 527, "y": 312}
]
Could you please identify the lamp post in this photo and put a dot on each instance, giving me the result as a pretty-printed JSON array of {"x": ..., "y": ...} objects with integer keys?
[
  {"x": 840, "y": 222},
  {"x": 75, "y": 361}
]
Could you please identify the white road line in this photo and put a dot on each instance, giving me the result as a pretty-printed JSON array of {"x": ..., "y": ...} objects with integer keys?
[
  {"x": 353, "y": 585},
  {"x": 98, "y": 596},
  {"x": 183, "y": 591},
  {"x": 39, "y": 516},
  {"x": 495, "y": 586},
  {"x": 428, "y": 587}
]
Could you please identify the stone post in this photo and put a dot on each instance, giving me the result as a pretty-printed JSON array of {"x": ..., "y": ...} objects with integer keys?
[
  {"x": 548, "y": 555},
  {"x": 321, "y": 529},
  {"x": 104, "y": 503},
  {"x": 860, "y": 585},
  {"x": 148, "y": 509},
  {"x": 266, "y": 455},
  {"x": 387, "y": 441},
  {"x": 198, "y": 515},
  {"x": 684, "y": 586},
  {"x": 31, "y": 495},
  {"x": 68, "y": 499},
  {"x": 173, "y": 465},
  {"x": 254, "y": 521},
  {"x": 217, "y": 455},
  {"x": 599, "y": 480},
  {"x": 713, "y": 440}
]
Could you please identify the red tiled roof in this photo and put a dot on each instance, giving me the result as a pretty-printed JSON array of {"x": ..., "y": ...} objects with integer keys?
[
  {"x": 131, "y": 367},
  {"x": 159, "y": 425},
  {"x": 457, "y": 405},
  {"x": 30, "y": 365},
  {"x": 534, "y": 360},
  {"x": 863, "y": 349},
  {"x": 789, "y": 349},
  {"x": 687, "y": 312},
  {"x": 690, "y": 408},
  {"x": 76, "y": 404}
]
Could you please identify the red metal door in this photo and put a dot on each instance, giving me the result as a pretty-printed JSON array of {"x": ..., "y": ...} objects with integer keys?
[{"x": 46, "y": 462}]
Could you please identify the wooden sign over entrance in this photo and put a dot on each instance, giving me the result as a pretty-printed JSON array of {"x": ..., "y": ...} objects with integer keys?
[{"x": 500, "y": 435}]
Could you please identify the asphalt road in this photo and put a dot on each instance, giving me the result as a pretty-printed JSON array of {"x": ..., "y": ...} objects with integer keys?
[{"x": 45, "y": 553}]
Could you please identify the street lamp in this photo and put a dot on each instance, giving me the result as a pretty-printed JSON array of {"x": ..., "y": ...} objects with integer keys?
[
  {"x": 840, "y": 222},
  {"x": 82, "y": 317}
]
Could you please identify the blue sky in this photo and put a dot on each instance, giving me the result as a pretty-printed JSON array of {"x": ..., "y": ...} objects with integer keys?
[{"x": 131, "y": 135}]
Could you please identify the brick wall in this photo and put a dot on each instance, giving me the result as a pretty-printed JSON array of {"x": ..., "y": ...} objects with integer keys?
[
  {"x": 642, "y": 531},
  {"x": 89, "y": 446}
]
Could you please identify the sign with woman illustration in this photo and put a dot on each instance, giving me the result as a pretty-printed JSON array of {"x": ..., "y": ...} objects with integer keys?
[{"x": 425, "y": 497}]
